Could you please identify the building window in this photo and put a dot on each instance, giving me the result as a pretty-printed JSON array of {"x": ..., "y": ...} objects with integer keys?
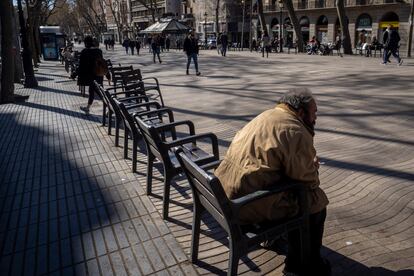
[
  {"x": 320, "y": 3},
  {"x": 303, "y": 4}
]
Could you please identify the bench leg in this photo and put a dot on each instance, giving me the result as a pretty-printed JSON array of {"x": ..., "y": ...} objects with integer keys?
[
  {"x": 104, "y": 115},
  {"x": 126, "y": 143},
  {"x": 233, "y": 259},
  {"x": 117, "y": 123},
  {"x": 195, "y": 237},
  {"x": 109, "y": 122},
  {"x": 166, "y": 198},
  {"x": 134, "y": 154},
  {"x": 150, "y": 164}
]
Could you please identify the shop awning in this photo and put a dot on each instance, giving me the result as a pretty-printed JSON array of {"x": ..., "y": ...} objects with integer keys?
[{"x": 166, "y": 26}]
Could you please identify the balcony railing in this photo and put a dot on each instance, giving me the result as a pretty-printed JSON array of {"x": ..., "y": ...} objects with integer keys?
[
  {"x": 303, "y": 5},
  {"x": 318, "y": 4}
]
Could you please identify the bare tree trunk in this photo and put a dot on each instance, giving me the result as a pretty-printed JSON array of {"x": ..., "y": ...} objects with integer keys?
[
  {"x": 7, "y": 53},
  {"x": 30, "y": 35},
  {"x": 410, "y": 32},
  {"x": 217, "y": 20},
  {"x": 262, "y": 17},
  {"x": 295, "y": 23},
  {"x": 346, "y": 38},
  {"x": 18, "y": 63}
]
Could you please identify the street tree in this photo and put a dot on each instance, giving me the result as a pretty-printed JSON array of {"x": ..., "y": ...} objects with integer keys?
[
  {"x": 260, "y": 13},
  {"x": 346, "y": 38},
  {"x": 152, "y": 6},
  {"x": 295, "y": 22},
  {"x": 65, "y": 16},
  {"x": 116, "y": 7},
  {"x": 7, "y": 51},
  {"x": 93, "y": 15},
  {"x": 217, "y": 13}
]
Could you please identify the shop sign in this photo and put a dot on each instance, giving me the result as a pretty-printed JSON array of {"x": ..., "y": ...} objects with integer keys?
[{"x": 394, "y": 24}]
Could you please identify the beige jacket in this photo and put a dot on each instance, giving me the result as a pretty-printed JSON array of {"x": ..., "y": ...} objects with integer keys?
[{"x": 274, "y": 144}]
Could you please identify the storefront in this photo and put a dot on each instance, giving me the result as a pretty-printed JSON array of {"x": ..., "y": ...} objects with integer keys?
[
  {"x": 390, "y": 18},
  {"x": 363, "y": 29},
  {"x": 304, "y": 28},
  {"x": 322, "y": 29}
]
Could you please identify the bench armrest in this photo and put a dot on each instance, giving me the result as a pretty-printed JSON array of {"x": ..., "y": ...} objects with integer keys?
[
  {"x": 158, "y": 112},
  {"x": 152, "y": 78},
  {"x": 146, "y": 104},
  {"x": 145, "y": 98},
  {"x": 115, "y": 87},
  {"x": 193, "y": 139},
  {"x": 173, "y": 125},
  {"x": 242, "y": 201},
  {"x": 211, "y": 165}
]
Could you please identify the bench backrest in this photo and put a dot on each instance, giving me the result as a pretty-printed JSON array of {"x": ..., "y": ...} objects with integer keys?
[
  {"x": 128, "y": 118},
  {"x": 154, "y": 142},
  {"x": 116, "y": 73},
  {"x": 131, "y": 76},
  {"x": 207, "y": 190},
  {"x": 136, "y": 88}
]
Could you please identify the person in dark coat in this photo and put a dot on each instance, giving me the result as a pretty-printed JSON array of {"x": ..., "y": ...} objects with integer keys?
[
  {"x": 391, "y": 40},
  {"x": 125, "y": 44},
  {"x": 191, "y": 49},
  {"x": 86, "y": 75},
  {"x": 138, "y": 45},
  {"x": 132, "y": 46},
  {"x": 155, "y": 46},
  {"x": 167, "y": 43}
]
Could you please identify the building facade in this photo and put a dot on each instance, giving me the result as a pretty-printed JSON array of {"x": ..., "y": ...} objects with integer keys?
[
  {"x": 144, "y": 15},
  {"x": 367, "y": 19}
]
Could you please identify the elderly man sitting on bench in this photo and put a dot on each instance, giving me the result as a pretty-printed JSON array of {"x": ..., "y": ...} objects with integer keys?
[{"x": 276, "y": 145}]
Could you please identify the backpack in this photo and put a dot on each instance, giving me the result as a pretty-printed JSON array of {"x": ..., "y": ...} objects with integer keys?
[{"x": 100, "y": 67}]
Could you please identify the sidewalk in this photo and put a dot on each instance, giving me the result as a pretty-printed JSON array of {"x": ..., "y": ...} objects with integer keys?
[{"x": 69, "y": 204}]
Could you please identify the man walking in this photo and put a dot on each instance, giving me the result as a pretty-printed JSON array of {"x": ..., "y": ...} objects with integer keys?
[
  {"x": 155, "y": 46},
  {"x": 191, "y": 49},
  {"x": 224, "y": 40},
  {"x": 390, "y": 39},
  {"x": 88, "y": 69},
  {"x": 275, "y": 146}
]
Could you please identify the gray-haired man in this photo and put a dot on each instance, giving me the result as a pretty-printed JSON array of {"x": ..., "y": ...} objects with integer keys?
[{"x": 278, "y": 143}]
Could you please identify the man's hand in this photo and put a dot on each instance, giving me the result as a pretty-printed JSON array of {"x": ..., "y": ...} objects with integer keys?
[{"x": 316, "y": 162}]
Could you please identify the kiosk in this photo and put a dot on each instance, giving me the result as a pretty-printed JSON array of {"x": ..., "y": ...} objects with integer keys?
[{"x": 52, "y": 39}]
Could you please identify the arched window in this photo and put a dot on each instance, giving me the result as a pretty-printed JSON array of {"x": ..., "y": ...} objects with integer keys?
[
  {"x": 322, "y": 29},
  {"x": 304, "y": 27},
  {"x": 363, "y": 30}
]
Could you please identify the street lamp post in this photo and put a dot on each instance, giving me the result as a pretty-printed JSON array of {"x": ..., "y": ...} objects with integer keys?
[
  {"x": 29, "y": 77},
  {"x": 281, "y": 27},
  {"x": 250, "y": 26},
  {"x": 242, "y": 34},
  {"x": 205, "y": 29}
]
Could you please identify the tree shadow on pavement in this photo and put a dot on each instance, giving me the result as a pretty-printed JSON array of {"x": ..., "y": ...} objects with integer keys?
[{"x": 51, "y": 205}]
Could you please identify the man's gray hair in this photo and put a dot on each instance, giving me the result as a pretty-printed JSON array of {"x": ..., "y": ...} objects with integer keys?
[{"x": 297, "y": 98}]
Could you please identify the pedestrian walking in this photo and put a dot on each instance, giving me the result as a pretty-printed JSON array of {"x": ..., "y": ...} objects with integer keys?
[
  {"x": 138, "y": 44},
  {"x": 92, "y": 67},
  {"x": 265, "y": 45},
  {"x": 167, "y": 43},
  {"x": 125, "y": 44},
  {"x": 132, "y": 46},
  {"x": 391, "y": 40},
  {"x": 224, "y": 40},
  {"x": 155, "y": 46},
  {"x": 191, "y": 49}
]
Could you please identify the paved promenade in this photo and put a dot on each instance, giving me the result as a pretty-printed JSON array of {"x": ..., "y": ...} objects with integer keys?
[{"x": 69, "y": 204}]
